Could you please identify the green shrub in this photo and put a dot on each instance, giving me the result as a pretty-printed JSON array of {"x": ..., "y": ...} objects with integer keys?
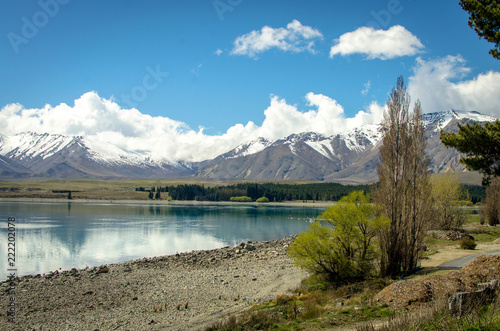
[
  {"x": 263, "y": 199},
  {"x": 467, "y": 243},
  {"x": 318, "y": 251},
  {"x": 344, "y": 253},
  {"x": 241, "y": 199}
]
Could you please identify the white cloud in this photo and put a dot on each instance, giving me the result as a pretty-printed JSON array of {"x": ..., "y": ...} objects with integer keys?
[
  {"x": 378, "y": 44},
  {"x": 196, "y": 70},
  {"x": 366, "y": 89},
  {"x": 440, "y": 85},
  {"x": 218, "y": 52},
  {"x": 294, "y": 38},
  {"x": 164, "y": 138}
]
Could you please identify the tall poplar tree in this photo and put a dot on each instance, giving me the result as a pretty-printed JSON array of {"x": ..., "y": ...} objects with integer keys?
[{"x": 404, "y": 187}]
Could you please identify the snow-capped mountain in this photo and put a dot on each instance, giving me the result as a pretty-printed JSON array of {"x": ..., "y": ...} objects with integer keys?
[
  {"x": 248, "y": 149},
  {"x": 351, "y": 156},
  {"x": 80, "y": 156},
  {"x": 441, "y": 119},
  {"x": 303, "y": 156}
]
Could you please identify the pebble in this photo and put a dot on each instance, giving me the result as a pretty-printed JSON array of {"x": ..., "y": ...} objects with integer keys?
[{"x": 124, "y": 296}]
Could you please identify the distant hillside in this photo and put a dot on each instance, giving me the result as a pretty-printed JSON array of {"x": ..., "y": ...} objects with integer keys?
[{"x": 349, "y": 157}]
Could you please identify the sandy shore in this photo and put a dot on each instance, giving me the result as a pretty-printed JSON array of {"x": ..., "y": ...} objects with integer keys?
[
  {"x": 186, "y": 291},
  {"x": 320, "y": 204}
]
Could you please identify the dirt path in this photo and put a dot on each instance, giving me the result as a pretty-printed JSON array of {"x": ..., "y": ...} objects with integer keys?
[{"x": 450, "y": 253}]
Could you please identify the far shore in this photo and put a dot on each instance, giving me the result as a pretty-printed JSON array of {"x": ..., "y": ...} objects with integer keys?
[{"x": 316, "y": 204}]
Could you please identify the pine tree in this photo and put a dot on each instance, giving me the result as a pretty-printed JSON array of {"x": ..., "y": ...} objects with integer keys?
[
  {"x": 481, "y": 146},
  {"x": 484, "y": 18}
]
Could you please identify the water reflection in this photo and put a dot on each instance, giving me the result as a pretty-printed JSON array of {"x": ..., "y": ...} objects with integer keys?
[{"x": 66, "y": 235}]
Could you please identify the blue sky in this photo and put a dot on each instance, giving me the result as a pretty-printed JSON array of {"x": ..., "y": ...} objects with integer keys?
[{"x": 210, "y": 64}]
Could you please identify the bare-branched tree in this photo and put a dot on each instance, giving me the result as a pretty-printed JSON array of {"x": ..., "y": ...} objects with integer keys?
[{"x": 404, "y": 191}]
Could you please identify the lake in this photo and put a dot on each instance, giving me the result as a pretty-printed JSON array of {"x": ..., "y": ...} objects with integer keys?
[{"x": 49, "y": 236}]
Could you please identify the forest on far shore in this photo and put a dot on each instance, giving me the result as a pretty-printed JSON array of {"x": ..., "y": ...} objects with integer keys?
[{"x": 275, "y": 192}]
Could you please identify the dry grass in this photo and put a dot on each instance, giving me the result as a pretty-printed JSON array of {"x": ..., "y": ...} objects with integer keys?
[
  {"x": 484, "y": 316},
  {"x": 305, "y": 309},
  {"x": 88, "y": 188}
]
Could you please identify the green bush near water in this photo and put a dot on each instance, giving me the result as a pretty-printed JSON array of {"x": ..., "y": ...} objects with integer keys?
[
  {"x": 241, "y": 199},
  {"x": 345, "y": 252}
]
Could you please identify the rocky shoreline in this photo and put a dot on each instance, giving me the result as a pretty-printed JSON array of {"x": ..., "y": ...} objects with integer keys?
[{"x": 187, "y": 291}]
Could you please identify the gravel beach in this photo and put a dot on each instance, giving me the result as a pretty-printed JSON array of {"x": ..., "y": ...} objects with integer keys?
[{"x": 187, "y": 291}]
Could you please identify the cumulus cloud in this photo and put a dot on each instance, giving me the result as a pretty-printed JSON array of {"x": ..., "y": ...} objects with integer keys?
[
  {"x": 164, "y": 138},
  {"x": 441, "y": 84},
  {"x": 378, "y": 44},
  {"x": 294, "y": 38}
]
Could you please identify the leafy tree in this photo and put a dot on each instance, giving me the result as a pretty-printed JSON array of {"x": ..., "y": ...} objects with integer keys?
[
  {"x": 316, "y": 251},
  {"x": 403, "y": 193},
  {"x": 492, "y": 202},
  {"x": 356, "y": 221},
  {"x": 446, "y": 193},
  {"x": 345, "y": 252},
  {"x": 262, "y": 199},
  {"x": 484, "y": 18},
  {"x": 480, "y": 144}
]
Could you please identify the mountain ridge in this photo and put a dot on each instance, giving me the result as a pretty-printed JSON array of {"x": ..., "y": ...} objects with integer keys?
[{"x": 347, "y": 156}]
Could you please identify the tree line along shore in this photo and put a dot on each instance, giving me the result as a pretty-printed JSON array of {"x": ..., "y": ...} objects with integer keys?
[
  {"x": 277, "y": 192},
  {"x": 183, "y": 190}
]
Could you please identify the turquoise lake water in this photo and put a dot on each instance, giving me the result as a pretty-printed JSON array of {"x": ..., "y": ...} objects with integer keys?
[{"x": 50, "y": 236}]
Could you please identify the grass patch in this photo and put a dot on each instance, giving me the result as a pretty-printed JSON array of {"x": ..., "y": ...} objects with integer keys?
[
  {"x": 325, "y": 309},
  {"x": 482, "y": 317},
  {"x": 485, "y": 233},
  {"x": 315, "y": 304}
]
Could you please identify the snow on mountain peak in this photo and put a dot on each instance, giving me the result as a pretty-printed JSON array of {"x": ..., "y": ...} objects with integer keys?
[
  {"x": 359, "y": 138},
  {"x": 30, "y": 144},
  {"x": 105, "y": 150},
  {"x": 443, "y": 118},
  {"x": 472, "y": 115},
  {"x": 250, "y": 148}
]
